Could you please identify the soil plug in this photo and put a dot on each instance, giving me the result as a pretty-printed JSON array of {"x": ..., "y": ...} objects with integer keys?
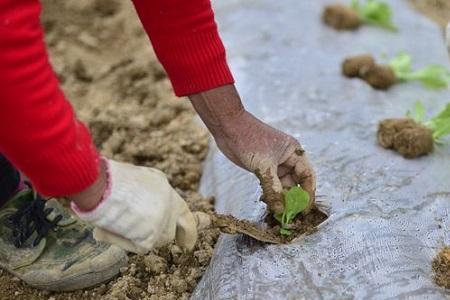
[
  {"x": 441, "y": 268},
  {"x": 358, "y": 66},
  {"x": 341, "y": 17},
  {"x": 372, "y": 12},
  {"x": 412, "y": 137}
]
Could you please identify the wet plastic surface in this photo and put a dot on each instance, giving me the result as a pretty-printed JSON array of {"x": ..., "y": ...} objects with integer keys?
[{"x": 388, "y": 215}]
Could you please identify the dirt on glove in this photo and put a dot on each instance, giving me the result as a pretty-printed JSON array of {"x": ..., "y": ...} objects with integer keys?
[
  {"x": 341, "y": 17},
  {"x": 363, "y": 66},
  {"x": 405, "y": 136},
  {"x": 441, "y": 268}
]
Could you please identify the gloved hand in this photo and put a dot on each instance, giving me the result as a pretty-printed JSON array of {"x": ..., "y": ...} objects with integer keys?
[
  {"x": 140, "y": 210},
  {"x": 275, "y": 157}
]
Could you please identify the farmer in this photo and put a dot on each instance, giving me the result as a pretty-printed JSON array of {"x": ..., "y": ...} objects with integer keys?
[{"x": 129, "y": 206}]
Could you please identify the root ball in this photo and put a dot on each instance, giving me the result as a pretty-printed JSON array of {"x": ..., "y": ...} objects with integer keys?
[
  {"x": 405, "y": 136},
  {"x": 387, "y": 129},
  {"x": 341, "y": 17},
  {"x": 380, "y": 77},
  {"x": 414, "y": 142},
  {"x": 357, "y": 66},
  {"x": 441, "y": 268}
]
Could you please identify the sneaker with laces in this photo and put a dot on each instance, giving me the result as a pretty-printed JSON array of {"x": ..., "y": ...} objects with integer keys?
[{"x": 44, "y": 245}]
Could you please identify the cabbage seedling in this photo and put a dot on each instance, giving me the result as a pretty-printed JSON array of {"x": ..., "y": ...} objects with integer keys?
[
  {"x": 296, "y": 200},
  {"x": 412, "y": 136}
]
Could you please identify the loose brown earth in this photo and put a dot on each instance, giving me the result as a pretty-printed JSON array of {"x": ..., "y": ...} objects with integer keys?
[
  {"x": 341, "y": 17},
  {"x": 441, "y": 268},
  {"x": 363, "y": 66},
  {"x": 110, "y": 74},
  {"x": 405, "y": 136},
  {"x": 437, "y": 10}
]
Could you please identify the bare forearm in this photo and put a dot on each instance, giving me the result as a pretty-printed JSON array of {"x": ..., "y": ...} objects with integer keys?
[{"x": 218, "y": 107}]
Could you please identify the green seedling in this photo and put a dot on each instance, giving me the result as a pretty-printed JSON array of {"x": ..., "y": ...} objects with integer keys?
[
  {"x": 439, "y": 124},
  {"x": 375, "y": 13},
  {"x": 296, "y": 200},
  {"x": 432, "y": 76}
]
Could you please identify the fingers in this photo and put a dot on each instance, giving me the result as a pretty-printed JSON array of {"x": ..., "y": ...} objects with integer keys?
[
  {"x": 186, "y": 228},
  {"x": 272, "y": 189},
  {"x": 306, "y": 178}
]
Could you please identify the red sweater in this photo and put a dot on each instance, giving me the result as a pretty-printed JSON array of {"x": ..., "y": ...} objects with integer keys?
[{"x": 39, "y": 132}]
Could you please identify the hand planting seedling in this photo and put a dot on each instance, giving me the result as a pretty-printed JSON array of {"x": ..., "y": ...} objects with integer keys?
[
  {"x": 296, "y": 200},
  {"x": 372, "y": 12},
  {"x": 397, "y": 70},
  {"x": 411, "y": 136}
]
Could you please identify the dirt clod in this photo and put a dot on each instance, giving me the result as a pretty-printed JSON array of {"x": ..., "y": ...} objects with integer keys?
[
  {"x": 380, "y": 77},
  {"x": 405, "y": 136},
  {"x": 358, "y": 66},
  {"x": 441, "y": 268},
  {"x": 364, "y": 66},
  {"x": 341, "y": 17}
]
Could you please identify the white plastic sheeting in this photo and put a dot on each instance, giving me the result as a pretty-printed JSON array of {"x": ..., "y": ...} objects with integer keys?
[{"x": 388, "y": 215}]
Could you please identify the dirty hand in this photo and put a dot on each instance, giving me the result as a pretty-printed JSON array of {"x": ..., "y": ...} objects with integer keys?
[
  {"x": 138, "y": 210},
  {"x": 275, "y": 157}
]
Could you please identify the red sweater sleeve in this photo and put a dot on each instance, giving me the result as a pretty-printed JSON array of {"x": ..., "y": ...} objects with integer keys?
[
  {"x": 185, "y": 38},
  {"x": 39, "y": 132}
]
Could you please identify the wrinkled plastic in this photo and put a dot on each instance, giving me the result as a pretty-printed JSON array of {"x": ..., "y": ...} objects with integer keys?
[{"x": 388, "y": 215}]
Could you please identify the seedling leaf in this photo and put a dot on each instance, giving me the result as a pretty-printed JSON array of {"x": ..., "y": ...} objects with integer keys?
[
  {"x": 419, "y": 109},
  {"x": 432, "y": 76},
  {"x": 401, "y": 65},
  {"x": 295, "y": 201},
  {"x": 375, "y": 12},
  {"x": 439, "y": 125}
]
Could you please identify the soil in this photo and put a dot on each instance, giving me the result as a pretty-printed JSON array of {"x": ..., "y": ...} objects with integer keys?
[
  {"x": 405, "y": 136},
  {"x": 341, "y": 17},
  {"x": 380, "y": 77},
  {"x": 270, "y": 231},
  {"x": 436, "y": 10},
  {"x": 357, "y": 66},
  {"x": 363, "y": 66},
  {"x": 441, "y": 268}
]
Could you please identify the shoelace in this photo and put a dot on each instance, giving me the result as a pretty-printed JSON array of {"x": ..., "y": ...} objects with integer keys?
[{"x": 29, "y": 218}]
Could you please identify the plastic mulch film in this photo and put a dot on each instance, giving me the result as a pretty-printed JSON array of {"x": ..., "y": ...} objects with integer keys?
[{"x": 387, "y": 215}]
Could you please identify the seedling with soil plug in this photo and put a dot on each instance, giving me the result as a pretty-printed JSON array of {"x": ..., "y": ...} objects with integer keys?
[
  {"x": 372, "y": 12},
  {"x": 411, "y": 136},
  {"x": 296, "y": 200},
  {"x": 397, "y": 70}
]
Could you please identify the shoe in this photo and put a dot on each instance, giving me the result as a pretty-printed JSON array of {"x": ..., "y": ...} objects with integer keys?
[{"x": 44, "y": 245}]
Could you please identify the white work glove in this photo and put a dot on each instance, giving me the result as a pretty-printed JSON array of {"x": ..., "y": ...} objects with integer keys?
[{"x": 140, "y": 211}]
